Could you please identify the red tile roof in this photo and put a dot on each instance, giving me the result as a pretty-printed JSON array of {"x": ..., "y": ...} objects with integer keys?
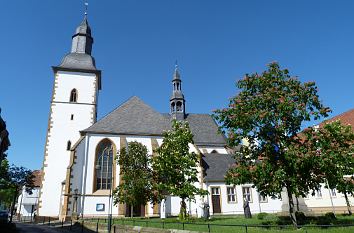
[
  {"x": 346, "y": 118},
  {"x": 37, "y": 180}
]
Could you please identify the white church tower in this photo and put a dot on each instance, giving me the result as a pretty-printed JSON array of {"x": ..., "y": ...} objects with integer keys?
[{"x": 73, "y": 108}]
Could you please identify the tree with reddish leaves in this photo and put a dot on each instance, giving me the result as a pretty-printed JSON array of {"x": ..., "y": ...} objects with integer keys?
[
  {"x": 264, "y": 119},
  {"x": 333, "y": 143}
]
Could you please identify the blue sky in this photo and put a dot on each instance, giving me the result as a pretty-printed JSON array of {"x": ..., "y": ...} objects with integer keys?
[{"x": 137, "y": 42}]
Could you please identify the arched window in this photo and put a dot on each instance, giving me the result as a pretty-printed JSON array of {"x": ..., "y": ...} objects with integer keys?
[
  {"x": 68, "y": 145},
  {"x": 178, "y": 86},
  {"x": 179, "y": 106},
  {"x": 214, "y": 151},
  {"x": 104, "y": 165},
  {"x": 73, "y": 95},
  {"x": 173, "y": 107}
]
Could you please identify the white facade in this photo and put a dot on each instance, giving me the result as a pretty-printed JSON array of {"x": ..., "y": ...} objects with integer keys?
[
  {"x": 27, "y": 204},
  {"x": 83, "y": 178},
  {"x": 66, "y": 119}
]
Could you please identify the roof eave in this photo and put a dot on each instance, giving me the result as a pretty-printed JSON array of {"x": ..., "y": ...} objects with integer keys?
[{"x": 84, "y": 132}]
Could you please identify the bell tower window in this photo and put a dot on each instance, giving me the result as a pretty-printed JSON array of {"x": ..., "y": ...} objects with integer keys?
[
  {"x": 173, "y": 107},
  {"x": 73, "y": 96},
  {"x": 179, "y": 106}
]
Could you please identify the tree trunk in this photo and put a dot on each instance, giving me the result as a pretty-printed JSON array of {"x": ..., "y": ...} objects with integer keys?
[
  {"x": 291, "y": 207},
  {"x": 348, "y": 203},
  {"x": 13, "y": 205},
  {"x": 297, "y": 204},
  {"x": 183, "y": 210},
  {"x": 131, "y": 211}
]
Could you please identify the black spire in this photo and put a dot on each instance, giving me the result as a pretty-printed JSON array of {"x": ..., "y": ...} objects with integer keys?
[
  {"x": 81, "y": 48},
  {"x": 82, "y": 40},
  {"x": 177, "y": 101}
]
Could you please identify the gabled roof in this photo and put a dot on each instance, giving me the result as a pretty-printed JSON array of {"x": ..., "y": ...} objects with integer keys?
[
  {"x": 134, "y": 117},
  {"x": 346, "y": 118},
  {"x": 216, "y": 165}
]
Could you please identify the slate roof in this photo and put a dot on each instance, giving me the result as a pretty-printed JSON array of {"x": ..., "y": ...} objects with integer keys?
[
  {"x": 78, "y": 61},
  {"x": 134, "y": 117},
  {"x": 216, "y": 165}
]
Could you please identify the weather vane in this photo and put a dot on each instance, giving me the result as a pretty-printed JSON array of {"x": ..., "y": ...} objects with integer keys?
[
  {"x": 176, "y": 64},
  {"x": 86, "y": 6}
]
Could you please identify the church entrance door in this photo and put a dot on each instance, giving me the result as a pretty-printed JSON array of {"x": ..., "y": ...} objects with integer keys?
[{"x": 138, "y": 211}]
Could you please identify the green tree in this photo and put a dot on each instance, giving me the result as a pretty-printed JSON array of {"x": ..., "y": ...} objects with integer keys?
[
  {"x": 333, "y": 143},
  {"x": 136, "y": 174},
  {"x": 175, "y": 168},
  {"x": 13, "y": 180},
  {"x": 264, "y": 119}
]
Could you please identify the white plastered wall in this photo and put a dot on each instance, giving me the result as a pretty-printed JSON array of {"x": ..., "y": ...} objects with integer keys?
[
  {"x": 83, "y": 173},
  {"x": 270, "y": 206},
  {"x": 62, "y": 129}
]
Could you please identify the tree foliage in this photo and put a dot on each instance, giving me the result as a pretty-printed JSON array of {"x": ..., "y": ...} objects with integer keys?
[
  {"x": 175, "y": 167},
  {"x": 136, "y": 174},
  {"x": 13, "y": 179},
  {"x": 333, "y": 144},
  {"x": 264, "y": 119}
]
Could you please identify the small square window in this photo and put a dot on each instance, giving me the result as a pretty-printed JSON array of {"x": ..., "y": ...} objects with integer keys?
[
  {"x": 263, "y": 199},
  {"x": 215, "y": 191},
  {"x": 319, "y": 193},
  {"x": 333, "y": 192}
]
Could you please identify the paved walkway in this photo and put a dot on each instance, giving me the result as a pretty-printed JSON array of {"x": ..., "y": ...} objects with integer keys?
[{"x": 34, "y": 228}]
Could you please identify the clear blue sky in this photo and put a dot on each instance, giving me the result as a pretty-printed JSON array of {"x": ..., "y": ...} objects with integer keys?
[{"x": 137, "y": 42}]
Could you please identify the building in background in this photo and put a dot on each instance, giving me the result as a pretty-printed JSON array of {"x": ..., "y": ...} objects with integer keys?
[{"x": 27, "y": 203}]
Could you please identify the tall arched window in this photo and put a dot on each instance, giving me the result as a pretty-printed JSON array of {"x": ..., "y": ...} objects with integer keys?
[
  {"x": 68, "y": 145},
  {"x": 73, "y": 95},
  {"x": 104, "y": 165}
]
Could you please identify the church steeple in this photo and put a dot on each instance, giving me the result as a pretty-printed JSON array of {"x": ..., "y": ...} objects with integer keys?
[
  {"x": 80, "y": 57},
  {"x": 177, "y": 101},
  {"x": 82, "y": 40}
]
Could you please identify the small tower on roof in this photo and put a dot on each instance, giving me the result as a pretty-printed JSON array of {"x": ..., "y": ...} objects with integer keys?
[{"x": 177, "y": 101}]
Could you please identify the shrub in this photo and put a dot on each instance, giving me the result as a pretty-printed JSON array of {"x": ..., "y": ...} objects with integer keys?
[
  {"x": 330, "y": 215},
  {"x": 261, "y": 216},
  {"x": 324, "y": 220}
]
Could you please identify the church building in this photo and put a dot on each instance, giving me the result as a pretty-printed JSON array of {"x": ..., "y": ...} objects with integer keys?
[{"x": 79, "y": 166}]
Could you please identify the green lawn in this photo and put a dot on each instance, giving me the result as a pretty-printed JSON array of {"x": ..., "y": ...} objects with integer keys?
[{"x": 236, "y": 224}]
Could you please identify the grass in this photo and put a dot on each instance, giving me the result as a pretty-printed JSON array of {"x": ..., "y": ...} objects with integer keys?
[{"x": 236, "y": 224}]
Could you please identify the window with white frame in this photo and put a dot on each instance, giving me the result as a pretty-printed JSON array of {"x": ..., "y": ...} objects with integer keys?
[
  {"x": 263, "y": 198},
  {"x": 231, "y": 194},
  {"x": 215, "y": 191},
  {"x": 333, "y": 192},
  {"x": 246, "y": 192},
  {"x": 319, "y": 193}
]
